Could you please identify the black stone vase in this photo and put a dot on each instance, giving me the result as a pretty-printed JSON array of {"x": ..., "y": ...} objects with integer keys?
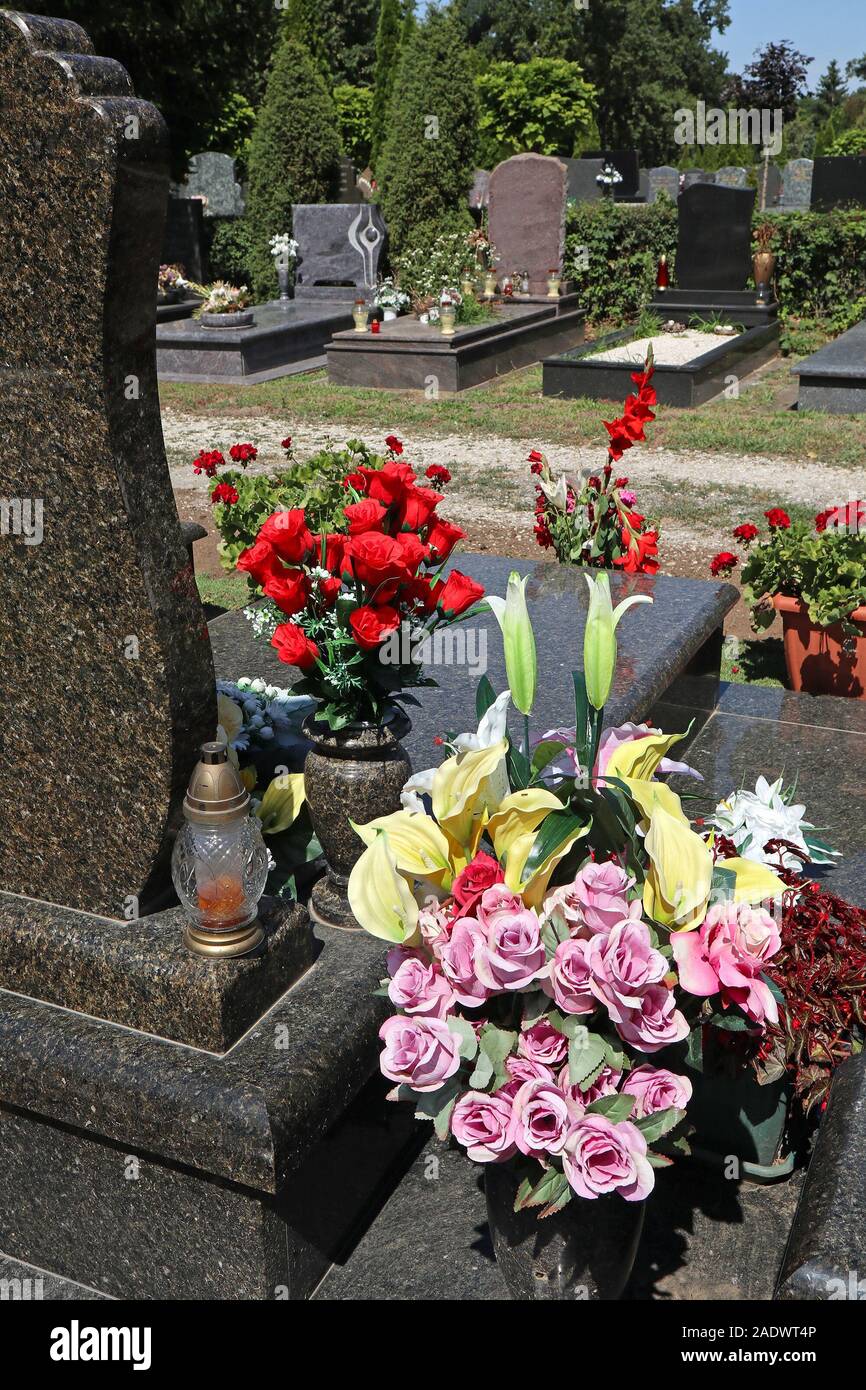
[
  {"x": 356, "y": 772},
  {"x": 584, "y": 1252}
]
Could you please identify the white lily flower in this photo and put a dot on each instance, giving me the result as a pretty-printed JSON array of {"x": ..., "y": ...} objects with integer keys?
[
  {"x": 490, "y": 731},
  {"x": 752, "y": 819}
]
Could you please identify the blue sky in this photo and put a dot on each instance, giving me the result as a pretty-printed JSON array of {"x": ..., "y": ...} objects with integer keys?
[{"x": 823, "y": 29}]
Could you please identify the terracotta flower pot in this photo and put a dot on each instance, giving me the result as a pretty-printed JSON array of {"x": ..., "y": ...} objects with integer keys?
[
  {"x": 358, "y": 771},
  {"x": 822, "y": 660}
]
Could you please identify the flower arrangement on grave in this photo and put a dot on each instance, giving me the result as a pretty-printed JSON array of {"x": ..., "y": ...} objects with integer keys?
[
  {"x": 221, "y": 298},
  {"x": 352, "y": 606},
  {"x": 823, "y": 564},
  {"x": 598, "y": 524},
  {"x": 556, "y": 925},
  {"x": 424, "y": 271},
  {"x": 390, "y": 297},
  {"x": 171, "y": 280},
  {"x": 284, "y": 248},
  {"x": 607, "y": 178}
]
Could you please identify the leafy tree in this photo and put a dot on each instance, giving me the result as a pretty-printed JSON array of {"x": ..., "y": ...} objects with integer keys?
[
  {"x": 774, "y": 80},
  {"x": 388, "y": 36},
  {"x": 849, "y": 142},
  {"x": 427, "y": 162},
  {"x": 857, "y": 68},
  {"x": 355, "y": 116},
  {"x": 294, "y": 153},
  {"x": 830, "y": 92},
  {"x": 543, "y": 105}
]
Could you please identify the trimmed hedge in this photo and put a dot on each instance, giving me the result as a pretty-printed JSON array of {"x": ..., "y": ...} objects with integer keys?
[{"x": 820, "y": 263}]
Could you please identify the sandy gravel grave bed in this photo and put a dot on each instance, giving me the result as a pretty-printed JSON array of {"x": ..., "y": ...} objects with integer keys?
[{"x": 669, "y": 349}]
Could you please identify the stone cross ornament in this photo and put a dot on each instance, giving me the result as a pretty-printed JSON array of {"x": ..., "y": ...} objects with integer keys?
[{"x": 106, "y": 676}]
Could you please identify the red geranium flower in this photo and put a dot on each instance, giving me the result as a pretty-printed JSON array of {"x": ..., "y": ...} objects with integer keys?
[
  {"x": 356, "y": 480},
  {"x": 289, "y": 589},
  {"x": 368, "y": 515},
  {"x": 745, "y": 532},
  {"x": 224, "y": 492},
  {"x": 286, "y": 443},
  {"x": 243, "y": 453},
  {"x": 208, "y": 462},
  {"x": 294, "y": 647},
  {"x": 371, "y": 624},
  {"x": 438, "y": 474},
  {"x": 777, "y": 519},
  {"x": 723, "y": 563},
  {"x": 287, "y": 532},
  {"x": 457, "y": 594},
  {"x": 393, "y": 444}
]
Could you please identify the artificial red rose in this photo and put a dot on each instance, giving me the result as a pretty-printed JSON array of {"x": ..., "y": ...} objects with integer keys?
[
  {"x": 422, "y": 592},
  {"x": 745, "y": 532},
  {"x": 442, "y": 537},
  {"x": 371, "y": 624},
  {"x": 335, "y": 546},
  {"x": 289, "y": 589},
  {"x": 468, "y": 886},
  {"x": 378, "y": 562},
  {"x": 777, "y": 519},
  {"x": 259, "y": 561},
  {"x": 243, "y": 453},
  {"x": 723, "y": 563},
  {"x": 457, "y": 594},
  {"x": 368, "y": 515},
  {"x": 288, "y": 534},
  {"x": 413, "y": 549},
  {"x": 294, "y": 647},
  {"x": 438, "y": 474},
  {"x": 329, "y": 589},
  {"x": 224, "y": 492},
  {"x": 388, "y": 484},
  {"x": 394, "y": 444},
  {"x": 822, "y": 518}
]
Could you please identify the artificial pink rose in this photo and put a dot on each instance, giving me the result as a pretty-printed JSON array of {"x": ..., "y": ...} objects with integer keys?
[
  {"x": 656, "y": 1023},
  {"x": 457, "y": 958},
  {"x": 623, "y": 965},
  {"x": 495, "y": 901},
  {"x": 419, "y": 987},
  {"x": 655, "y": 1088},
  {"x": 543, "y": 1043},
  {"x": 600, "y": 1157},
  {"x": 569, "y": 981},
  {"x": 600, "y": 893},
  {"x": 419, "y": 1052},
  {"x": 469, "y": 885},
  {"x": 510, "y": 954},
  {"x": 605, "y": 1084},
  {"x": 435, "y": 921},
  {"x": 542, "y": 1117},
  {"x": 727, "y": 955},
  {"x": 483, "y": 1125},
  {"x": 522, "y": 1069}
]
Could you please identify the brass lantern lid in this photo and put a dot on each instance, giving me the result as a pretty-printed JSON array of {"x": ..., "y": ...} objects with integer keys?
[{"x": 215, "y": 795}]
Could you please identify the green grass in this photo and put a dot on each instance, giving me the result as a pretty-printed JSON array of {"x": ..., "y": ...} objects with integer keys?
[
  {"x": 753, "y": 662},
  {"x": 231, "y": 591}
]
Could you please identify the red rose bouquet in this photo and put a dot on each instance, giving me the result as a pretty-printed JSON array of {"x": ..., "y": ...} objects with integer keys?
[
  {"x": 355, "y": 607},
  {"x": 599, "y": 524}
]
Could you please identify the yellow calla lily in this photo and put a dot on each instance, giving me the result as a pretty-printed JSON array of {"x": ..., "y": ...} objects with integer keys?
[
  {"x": 755, "y": 882},
  {"x": 249, "y": 777},
  {"x": 380, "y": 897},
  {"x": 465, "y": 789},
  {"x": 513, "y": 827},
  {"x": 649, "y": 795},
  {"x": 416, "y": 842},
  {"x": 281, "y": 804},
  {"x": 640, "y": 757},
  {"x": 229, "y": 718},
  {"x": 679, "y": 877}
]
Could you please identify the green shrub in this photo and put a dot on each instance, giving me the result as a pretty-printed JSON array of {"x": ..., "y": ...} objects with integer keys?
[
  {"x": 230, "y": 247},
  {"x": 622, "y": 245},
  {"x": 428, "y": 160},
  {"x": 849, "y": 142},
  {"x": 294, "y": 153},
  {"x": 354, "y": 116},
  {"x": 544, "y": 105},
  {"x": 388, "y": 39},
  {"x": 434, "y": 263}
]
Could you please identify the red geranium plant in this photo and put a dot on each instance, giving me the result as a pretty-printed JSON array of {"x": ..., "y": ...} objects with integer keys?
[
  {"x": 599, "y": 524},
  {"x": 353, "y": 607}
]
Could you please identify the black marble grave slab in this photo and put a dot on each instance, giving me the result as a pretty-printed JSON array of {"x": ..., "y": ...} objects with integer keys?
[
  {"x": 834, "y": 378},
  {"x": 739, "y": 307},
  {"x": 285, "y": 338}
]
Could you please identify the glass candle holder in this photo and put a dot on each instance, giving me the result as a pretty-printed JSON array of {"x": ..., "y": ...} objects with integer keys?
[
  {"x": 489, "y": 284},
  {"x": 360, "y": 314},
  {"x": 219, "y": 864},
  {"x": 467, "y": 286},
  {"x": 447, "y": 319},
  {"x": 554, "y": 281}
]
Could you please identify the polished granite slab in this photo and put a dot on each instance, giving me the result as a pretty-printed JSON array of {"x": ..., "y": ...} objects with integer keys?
[{"x": 833, "y": 379}]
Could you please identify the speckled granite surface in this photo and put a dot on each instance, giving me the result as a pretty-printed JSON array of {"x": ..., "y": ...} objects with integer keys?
[
  {"x": 141, "y": 975},
  {"x": 104, "y": 661}
]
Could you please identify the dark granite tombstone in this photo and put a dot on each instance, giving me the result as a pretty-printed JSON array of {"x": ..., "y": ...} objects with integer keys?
[
  {"x": 526, "y": 216},
  {"x": 582, "y": 184},
  {"x": 626, "y": 163},
  {"x": 796, "y": 191},
  {"x": 340, "y": 247},
  {"x": 664, "y": 179},
  {"x": 769, "y": 186},
  {"x": 183, "y": 243},
  {"x": 834, "y": 378},
  {"x": 714, "y": 250},
  {"x": 349, "y": 192},
  {"x": 212, "y": 178},
  {"x": 104, "y": 666},
  {"x": 839, "y": 182}
]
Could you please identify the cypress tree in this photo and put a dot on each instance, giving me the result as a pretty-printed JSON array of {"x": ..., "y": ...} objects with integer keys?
[
  {"x": 388, "y": 36},
  {"x": 428, "y": 158},
  {"x": 294, "y": 153}
]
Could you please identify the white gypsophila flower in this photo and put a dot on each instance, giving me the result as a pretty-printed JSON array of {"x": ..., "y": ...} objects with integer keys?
[{"x": 752, "y": 819}]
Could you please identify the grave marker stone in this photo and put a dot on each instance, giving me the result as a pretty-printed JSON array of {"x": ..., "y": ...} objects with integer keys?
[
  {"x": 340, "y": 247},
  {"x": 693, "y": 176},
  {"x": 626, "y": 164},
  {"x": 527, "y": 216},
  {"x": 714, "y": 250},
  {"x": 839, "y": 182},
  {"x": 582, "y": 184},
  {"x": 664, "y": 179},
  {"x": 769, "y": 186},
  {"x": 349, "y": 192},
  {"x": 212, "y": 178},
  {"x": 478, "y": 193},
  {"x": 183, "y": 243},
  {"x": 732, "y": 176},
  {"x": 797, "y": 184},
  {"x": 106, "y": 676}
]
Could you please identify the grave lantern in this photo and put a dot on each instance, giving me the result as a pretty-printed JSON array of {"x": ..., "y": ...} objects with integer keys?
[{"x": 219, "y": 864}]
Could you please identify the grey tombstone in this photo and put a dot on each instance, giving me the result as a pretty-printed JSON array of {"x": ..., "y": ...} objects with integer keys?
[
  {"x": 480, "y": 190},
  {"x": 349, "y": 192},
  {"x": 797, "y": 184},
  {"x": 839, "y": 182},
  {"x": 769, "y": 186},
  {"x": 212, "y": 177},
  {"x": 582, "y": 184},
  {"x": 663, "y": 179},
  {"x": 732, "y": 176},
  {"x": 526, "y": 216},
  {"x": 693, "y": 176},
  {"x": 340, "y": 248},
  {"x": 643, "y": 185},
  {"x": 714, "y": 249},
  {"x": 183, "y": 243}
]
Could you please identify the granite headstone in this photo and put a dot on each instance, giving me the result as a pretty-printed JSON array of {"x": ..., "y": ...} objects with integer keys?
[
  {"x": 732, "y": 176},
  {"x": 714, "y": 249},
  {"x": 693, "y": 176},
  {"x": 480, "y": 189},
  {"x": 797, "y": 184},
  {"x": 340, "y": 245},
  {"x": 663, "y": 179},
  {"x": 106, "y": 677},
  {"x": 839, "y": 182},
  {"x": 769, "y": 186},
  {"x": 183, "y": 243},
  {"x": 349, "y": 192},
  {"x": 626, "y": 164},
  {"x": 212, "y": 177},
  {"x": 582, "y": 184},
  {"x": 526, "y": 216}
]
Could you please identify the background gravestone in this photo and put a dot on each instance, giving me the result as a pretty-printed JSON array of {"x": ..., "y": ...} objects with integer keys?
[
  {"x": 664, "y": 179},
  {"x": 212, "y": 177},
  {"x": 106, "y": 678},
  {"x": 797, "y": 184},
  {"x": 626, "y": 163},
  {"x": 480, "y": 189},
  {"x": 183, "y": 243},
  {"x": 582, "y": 184},
  {"x": 769, "y": 187},
  {"x": 349, "y": 192},
  {"x": 714, "y": 248},
  {"x": 340, "y": 246},
  {"x": 732, "y": 176},
  {"x": 693, "y": 176},
  {"x": 838, "y": 182},
  {"x": 526, "y": 216}
]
